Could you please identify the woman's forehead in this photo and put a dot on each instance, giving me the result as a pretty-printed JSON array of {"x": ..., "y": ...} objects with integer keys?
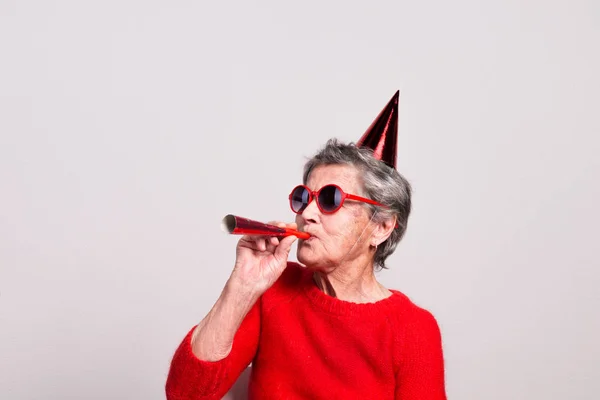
[{"x": 345, "y": 176}]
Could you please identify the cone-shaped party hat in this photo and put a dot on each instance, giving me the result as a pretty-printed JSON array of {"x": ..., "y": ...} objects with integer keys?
[{"x": 382, "y": 135}]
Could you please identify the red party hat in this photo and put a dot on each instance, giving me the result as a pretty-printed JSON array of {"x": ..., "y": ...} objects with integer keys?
[{"x": 382, "y": 135}]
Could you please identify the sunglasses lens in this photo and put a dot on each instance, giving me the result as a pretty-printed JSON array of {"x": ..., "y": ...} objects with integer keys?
[
  {"x": 330, "y": 198},
  {"x": 299, "y": 199}
]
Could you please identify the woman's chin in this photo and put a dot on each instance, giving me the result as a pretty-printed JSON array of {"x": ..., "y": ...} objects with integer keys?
[{"x": 307, "y": 257}]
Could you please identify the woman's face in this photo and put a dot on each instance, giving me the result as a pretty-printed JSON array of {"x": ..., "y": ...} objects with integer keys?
[{"x": 335, "y": 237}]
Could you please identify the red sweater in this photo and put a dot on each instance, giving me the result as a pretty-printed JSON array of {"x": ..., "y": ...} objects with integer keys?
[{"x": 304, "y": 344}]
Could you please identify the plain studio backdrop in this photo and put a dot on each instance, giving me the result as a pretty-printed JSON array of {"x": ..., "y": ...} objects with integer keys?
[{"x": 128, "y": 129}]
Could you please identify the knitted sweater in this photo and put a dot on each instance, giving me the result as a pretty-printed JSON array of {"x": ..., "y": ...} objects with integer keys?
[{"x": 304, "y": 344}]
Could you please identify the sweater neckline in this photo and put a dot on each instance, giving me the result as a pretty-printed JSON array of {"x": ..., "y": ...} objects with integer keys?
[{"x": 333, "y": 305}]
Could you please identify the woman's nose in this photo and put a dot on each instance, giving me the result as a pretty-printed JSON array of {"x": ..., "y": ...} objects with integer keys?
[{"x": 311, "y": 212}]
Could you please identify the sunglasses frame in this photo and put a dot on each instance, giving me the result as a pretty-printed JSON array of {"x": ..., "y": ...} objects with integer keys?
[{"x": 314, "y": 194}]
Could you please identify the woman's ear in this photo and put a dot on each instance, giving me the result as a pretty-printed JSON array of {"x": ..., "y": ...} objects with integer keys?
[{"x": 383, "y": 230}]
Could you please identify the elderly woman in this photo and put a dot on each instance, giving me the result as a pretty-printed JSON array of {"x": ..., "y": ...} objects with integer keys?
[{"x": 324, "y": 328}]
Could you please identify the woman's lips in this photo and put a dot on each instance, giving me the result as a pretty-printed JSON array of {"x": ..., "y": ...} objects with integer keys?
[{"x": 310, "y": 239}]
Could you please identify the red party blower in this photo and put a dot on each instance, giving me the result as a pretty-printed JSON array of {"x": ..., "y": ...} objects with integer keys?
[{"x": 243, "y": 226}]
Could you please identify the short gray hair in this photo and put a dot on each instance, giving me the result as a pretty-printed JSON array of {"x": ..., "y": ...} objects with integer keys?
[{"x": 380, "y": 182}]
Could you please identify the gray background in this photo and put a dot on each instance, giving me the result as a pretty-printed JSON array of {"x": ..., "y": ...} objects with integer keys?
[{"x": 128, "y": 129}]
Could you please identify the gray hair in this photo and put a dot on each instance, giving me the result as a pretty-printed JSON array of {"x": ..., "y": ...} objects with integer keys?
[{"x": 380, "y": 182}]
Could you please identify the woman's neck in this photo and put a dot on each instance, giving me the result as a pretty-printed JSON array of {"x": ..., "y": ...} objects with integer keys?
[{"x": 357, "y": 285}]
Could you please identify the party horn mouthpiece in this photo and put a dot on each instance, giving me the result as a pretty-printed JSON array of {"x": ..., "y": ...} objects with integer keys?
[{"x": 243, "y": 226}]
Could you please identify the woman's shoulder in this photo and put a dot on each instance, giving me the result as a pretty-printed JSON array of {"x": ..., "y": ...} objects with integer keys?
[
  {"x": 417, "y": 333},
  {"x": 406, "y": 312}
]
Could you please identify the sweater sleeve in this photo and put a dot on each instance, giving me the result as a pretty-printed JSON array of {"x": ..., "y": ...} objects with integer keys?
[
  {"x": 421, "y": 372},
  {"x": 193, "y": 379}
]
